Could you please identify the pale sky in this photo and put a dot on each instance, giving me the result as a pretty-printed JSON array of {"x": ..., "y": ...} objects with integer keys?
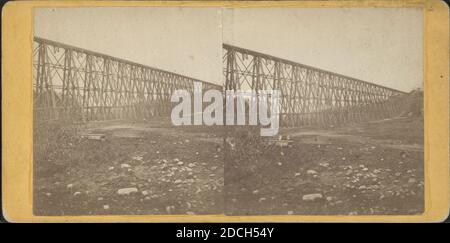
[
  {"x": 379, "y": 45},
  {"x": 181, "y": 40}
]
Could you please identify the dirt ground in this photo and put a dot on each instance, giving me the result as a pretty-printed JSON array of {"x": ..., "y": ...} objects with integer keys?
[
  {"x": 153, "y": 168},
  {"x": 370, "y": 168},
  {"x": 160, "y": 170}
]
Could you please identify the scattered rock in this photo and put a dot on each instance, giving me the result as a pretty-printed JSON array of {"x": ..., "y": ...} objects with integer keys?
[
  {"x": 262, "y": 199},
  {"x": 106, "y": 207},
  {"x": 180, "y": 163},
  {"x": 312, "y": 197},
  {"x": 123, "y": 166},
  {"x": 324, "y": 164},
  {"x": 69, "y": 186},
  {"x": 311, "y": 172},
  {"x": 403, "y": 154},
  {"x": 77, "y": 193},
  {"x": 290, "y": 212},
  {"x": 169, "y": 209},
  {"x": 127, "y": 191},
  {"x": 255, "y": 192},
  {"x": 411, "y": 180}
]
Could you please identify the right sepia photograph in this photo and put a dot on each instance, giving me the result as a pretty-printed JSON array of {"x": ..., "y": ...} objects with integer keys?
[{"x": 350, "y": 139}]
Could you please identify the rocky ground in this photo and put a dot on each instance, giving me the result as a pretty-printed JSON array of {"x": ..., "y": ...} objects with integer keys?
[
  {"x": 152, "y": 168},
  {"x": 370, "y": 168},
  {"x": 134, "y": 169}
]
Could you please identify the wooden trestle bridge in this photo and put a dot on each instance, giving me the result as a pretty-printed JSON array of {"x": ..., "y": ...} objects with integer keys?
[{"x": 75, "y": 84}]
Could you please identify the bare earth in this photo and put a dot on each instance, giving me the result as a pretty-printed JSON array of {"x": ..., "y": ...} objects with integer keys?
[
  {"x": 370, "y": 168},
  {"x": 174, "y": 171}
]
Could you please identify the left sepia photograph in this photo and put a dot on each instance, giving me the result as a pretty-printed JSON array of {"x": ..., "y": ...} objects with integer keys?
[{"x": 103, "y": 140}]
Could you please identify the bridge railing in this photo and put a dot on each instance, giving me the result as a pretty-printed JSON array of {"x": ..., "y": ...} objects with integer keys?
[{"x": 309, "y": 96}]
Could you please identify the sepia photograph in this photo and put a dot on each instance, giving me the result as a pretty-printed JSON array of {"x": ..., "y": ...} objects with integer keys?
[
  {"x": 233, "y": 111},
  {"x": 104, "y": 142},
  {"x": 350, "y": 140}
]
